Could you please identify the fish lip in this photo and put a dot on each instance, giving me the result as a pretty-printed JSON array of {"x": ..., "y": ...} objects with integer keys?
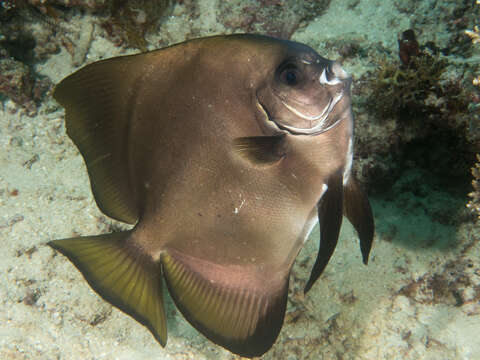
[{"x": 316, "y": 130}]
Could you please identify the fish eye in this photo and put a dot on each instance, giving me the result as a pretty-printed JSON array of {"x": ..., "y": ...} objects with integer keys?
[
  {"x": 290, "y": 77},
  {"x": 290, "y": 74}
]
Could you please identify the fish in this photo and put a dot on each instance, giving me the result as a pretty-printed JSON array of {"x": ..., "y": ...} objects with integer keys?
[{"x": 223, "y": 152}]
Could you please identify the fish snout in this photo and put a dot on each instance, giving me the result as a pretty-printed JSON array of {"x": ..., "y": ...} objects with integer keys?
[{"x": 334, "y": 72}]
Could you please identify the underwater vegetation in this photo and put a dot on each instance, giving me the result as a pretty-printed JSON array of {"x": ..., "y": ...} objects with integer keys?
[
  {"x": 453, "y": 286},
  {"x": 18, "y": 82},
  {"x": 410, "y": 90},
  {"x": 129, "y": 21},
  {"x": 474, "y": 203},
  {"x": 426, "y": 103},
  {"x": 33, "y": 30},
  {"x": 21, "y": 46},
  {"x": 271, "y": 17}
]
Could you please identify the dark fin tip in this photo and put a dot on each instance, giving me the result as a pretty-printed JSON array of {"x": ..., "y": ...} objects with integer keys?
[
  {"x": 359, "y": 212},
  {"x": 330, "y": 215}
]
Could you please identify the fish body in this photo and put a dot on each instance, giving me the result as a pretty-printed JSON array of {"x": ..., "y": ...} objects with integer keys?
[{"x": 224, "y": 152}]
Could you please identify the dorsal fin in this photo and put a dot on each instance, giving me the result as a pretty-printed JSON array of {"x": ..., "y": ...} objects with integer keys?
[{"x": 97, "y": 105}]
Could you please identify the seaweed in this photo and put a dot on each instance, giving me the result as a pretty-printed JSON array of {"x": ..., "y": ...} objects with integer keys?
[
  {"x": 474, "y": 202},
  {"x": 270, "y": 17},
  {"x": 413, "y": 90},
  {"x": 427, "y": 108},
  {"x": 21, "y": 47},
  {"x": 130, "y": 21}
]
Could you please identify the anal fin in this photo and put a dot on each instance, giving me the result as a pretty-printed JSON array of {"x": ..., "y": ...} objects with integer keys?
[
  {"x": 234, "y": 306},
  {"x": 121, "y": 275}
]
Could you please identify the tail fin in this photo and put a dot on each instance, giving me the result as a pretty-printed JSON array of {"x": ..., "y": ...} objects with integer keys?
[{"x": 121, "y": 275}]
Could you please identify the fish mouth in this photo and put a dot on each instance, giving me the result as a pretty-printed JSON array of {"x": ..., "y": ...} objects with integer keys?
[{"x": 318, "y": 123}]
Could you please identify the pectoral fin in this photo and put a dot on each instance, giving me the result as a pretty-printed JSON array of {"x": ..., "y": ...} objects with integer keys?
[
  {"x": 330, "y": 215},
  {"x": 261, "y": 150},
  {"x": 121, "y": 275},
  {"x": 234, "y": 306}
]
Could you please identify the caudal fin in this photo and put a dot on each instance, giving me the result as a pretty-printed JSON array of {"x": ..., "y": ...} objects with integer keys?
[{"x": 121, "y": 275}]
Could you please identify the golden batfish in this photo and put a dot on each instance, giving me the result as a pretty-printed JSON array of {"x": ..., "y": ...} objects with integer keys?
[{"x": 223, "y": 151}]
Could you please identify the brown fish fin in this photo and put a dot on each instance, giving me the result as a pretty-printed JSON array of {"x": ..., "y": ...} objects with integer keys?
[
  {"x": 330, "y": 218},
  {"x": 359, "y": 212},
  {"x": 121, "y": 275},
  {"x": 237, "y": 307},
  {"x": 97, "y": 110},
  {"x": 261, "y": 150}
]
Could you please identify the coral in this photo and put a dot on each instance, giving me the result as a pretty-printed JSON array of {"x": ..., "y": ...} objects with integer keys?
[
  {"x": 474, "y": 34},
  {"x": 279, "y": 18},
  {"x": 88, "y": 4},
  {"x": 417, "y": 89},
  {"x": 126, "y": 22},
  {"x": 32, "y": 30},
  {"x": 431, "y": 16},
  {"x": 19, "y": 83},
  {"x": 403, "y": 91},
  {"x": 474, "y": 203},
  {"x": 49, "y": 6},
  {"x": 16, "y": 81},
  {"x": 423, "y": 104},
  {"x": 130, "y": 21},
  {"x": 24, "y": 41},
  {"x": 454, "y": 285}
]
